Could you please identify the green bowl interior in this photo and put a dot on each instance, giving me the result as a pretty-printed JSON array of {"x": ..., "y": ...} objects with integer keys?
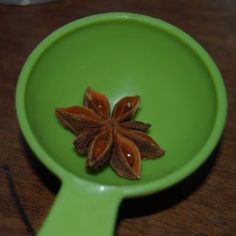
[{"x": 123, "y": 57}]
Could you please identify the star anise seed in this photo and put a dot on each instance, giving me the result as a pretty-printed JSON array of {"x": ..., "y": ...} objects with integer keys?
[{"x": 116, "y": 139}]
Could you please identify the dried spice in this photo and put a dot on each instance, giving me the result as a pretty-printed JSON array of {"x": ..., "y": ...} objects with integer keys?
[{"x": 109, "y": 138}]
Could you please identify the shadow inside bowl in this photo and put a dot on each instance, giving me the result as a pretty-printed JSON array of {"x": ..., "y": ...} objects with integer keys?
[
  {"x": 48, "y": 178},
  {"x": 157, "y": 202}
]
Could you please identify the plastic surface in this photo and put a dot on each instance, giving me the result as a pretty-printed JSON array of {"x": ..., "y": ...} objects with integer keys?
[
  {"x": 82, "y": 211},
  {"x": 182, "y": 96}
]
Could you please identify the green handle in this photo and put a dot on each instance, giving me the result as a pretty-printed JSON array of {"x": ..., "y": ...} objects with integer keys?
[{"x": 88, "y": 210}]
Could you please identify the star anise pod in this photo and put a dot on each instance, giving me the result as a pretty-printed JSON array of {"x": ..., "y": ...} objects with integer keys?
[{"x": 111, "y": 138}]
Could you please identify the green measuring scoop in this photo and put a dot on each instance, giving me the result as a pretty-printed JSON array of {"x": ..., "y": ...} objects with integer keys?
[{"x": 119, "y": 54}]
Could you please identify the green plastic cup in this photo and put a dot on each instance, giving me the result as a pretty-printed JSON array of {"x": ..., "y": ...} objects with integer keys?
[{"x": 119, "y": 54}]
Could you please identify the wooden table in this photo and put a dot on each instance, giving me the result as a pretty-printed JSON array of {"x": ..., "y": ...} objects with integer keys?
[{"x": 203, "y": 204}]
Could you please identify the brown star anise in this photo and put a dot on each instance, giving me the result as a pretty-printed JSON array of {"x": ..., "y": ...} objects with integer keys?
[{"x": 114, "y": 138}]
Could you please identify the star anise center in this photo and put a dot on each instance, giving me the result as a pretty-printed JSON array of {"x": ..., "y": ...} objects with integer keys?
[{"x": 112, "y": 123}]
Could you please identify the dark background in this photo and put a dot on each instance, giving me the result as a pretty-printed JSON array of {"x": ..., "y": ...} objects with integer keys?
[{"x": 203, "y": 204}]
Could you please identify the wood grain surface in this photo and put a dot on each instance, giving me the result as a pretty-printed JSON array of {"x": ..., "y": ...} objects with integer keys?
[{"x": 203, "y": 204}]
